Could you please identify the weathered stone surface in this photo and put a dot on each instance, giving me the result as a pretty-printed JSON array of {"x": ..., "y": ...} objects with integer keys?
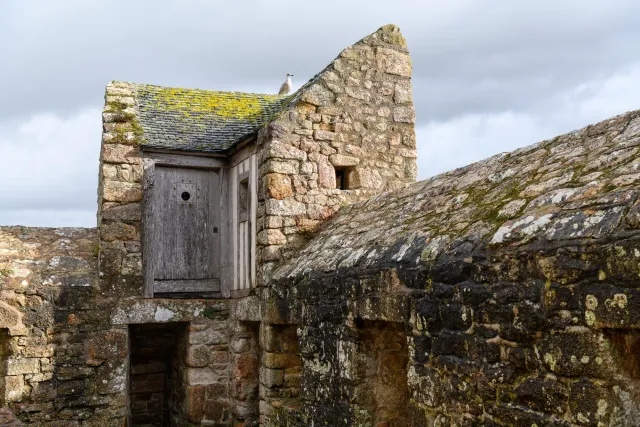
[
  {"x": 285, "y": 207},
  {"x": 317, "y": 95},
  {"x": 279, "y": 150},
  {"x": 324, "y": 135},
  {"x": 342, "y": 160},
  {"x": 23, "y": 366},
  {"x": 326, "y": 175},
  {"x": 128, "y": 212},
  {"x": 404, "y": 115},
  {"x": 113, "y": 231},
  {"x": 278, "y": 186},
  {"x": 393, "y": 62},
  {"x": 123, "y": 192},
  {"x": 9, "y": 316},
  {"x": 117, "y": 153},
  {"x": 271, "y": 237},
  {"x": 501, "y": 293}
]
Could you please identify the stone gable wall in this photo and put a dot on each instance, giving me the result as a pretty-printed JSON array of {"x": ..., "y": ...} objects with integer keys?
[{"x": 357, "y": 115}]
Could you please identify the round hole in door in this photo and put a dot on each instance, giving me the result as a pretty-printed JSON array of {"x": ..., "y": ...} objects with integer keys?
[{"x": 185, "y": 195}]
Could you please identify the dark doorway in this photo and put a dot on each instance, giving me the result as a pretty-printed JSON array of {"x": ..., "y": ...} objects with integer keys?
[
  {"x": 156, "y": 393},
  {"x": 381, "y": 363}
]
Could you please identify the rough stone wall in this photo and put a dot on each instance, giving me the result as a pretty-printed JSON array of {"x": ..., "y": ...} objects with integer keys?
[
  {"x": 357, "y": 116},
  {"x": 516, "y": 280},
  {"x": 51, "y": 307},
  {"x": 69, "y": 297},
  {"x": 120, "y": 194}
]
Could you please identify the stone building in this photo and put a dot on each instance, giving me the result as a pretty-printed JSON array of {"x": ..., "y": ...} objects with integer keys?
[{"x": 269, "y": 260}]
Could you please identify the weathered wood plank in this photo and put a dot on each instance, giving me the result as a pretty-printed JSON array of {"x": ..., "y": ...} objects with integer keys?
[
  {"x": 170, "y": 286},
  {"x": 226, "y": 254},
  {"x": 234, "y": 225},
  {"x": 167, "y": 159},
  {"x": 253, "y": 216},
  {"x": 241, "y": 252},
  {"x": 148, "y": 251}
]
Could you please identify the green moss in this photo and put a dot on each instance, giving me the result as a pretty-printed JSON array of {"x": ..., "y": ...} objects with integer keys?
[
  {"x": 4, "y": 272},
  {"x": 195, "y": 102},
  {"x": 123, "y": 117},
  {"x": 211, "y": 313}
]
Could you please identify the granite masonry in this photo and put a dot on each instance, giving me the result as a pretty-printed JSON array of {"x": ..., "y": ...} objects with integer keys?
[{"x": 505, "y": 293}]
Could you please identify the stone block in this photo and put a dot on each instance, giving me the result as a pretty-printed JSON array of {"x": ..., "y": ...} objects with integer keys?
[
  {"x": 593, "y": 403},
  {"x": 542, "y": 395},
  {"x": 118, "y": 153},
  {"x": 194, "y": 404},
  {"x": 215, "y": 411},
  {"x": 288, "y": 167},
  {"x": 201, "y": 376},
  {"x": 246, "y": 366},
  {"x": 111, "y": 231},
  {"x": 278, "y": 186},
  {"x": 342, "y": 160},
  {"x": 197, "y": 356},
  {"x": 208, "y": 336},
  {"x": 273, "y": 222},
  {"x": 404, "y": 115},
  {"x": 271, "y": 378},
  {"x": 123, "y": 192},
  {"x": 402, "y": 93},
  {"x": 271, "y": 237},
  {"x": 324, "y": 135},
  {"x": 359, "y": 93},
  {"x": 9, "y": 316},
  {"x": 14, "y": 387},
  {"x": 577, "y": 354},
  {"x": 286, "y": 207},
  {"x": 23, "y": 366},
  {"x": 393, "y": 62},
  {"x": 365, "y": 178},
  {"x": 128, "y": 212},
  {"x": 279, "y": 150},
  {"x": 271, "y": 253},
  {"x": 317, "y": 95}
]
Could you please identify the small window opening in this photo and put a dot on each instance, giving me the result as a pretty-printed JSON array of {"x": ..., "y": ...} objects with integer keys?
[
  {"x": 342, "y": 178},
  {"x": 243, "y": 200}
]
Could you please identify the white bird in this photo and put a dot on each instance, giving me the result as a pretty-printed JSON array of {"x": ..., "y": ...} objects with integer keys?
[{"x": 286, "y": 86}]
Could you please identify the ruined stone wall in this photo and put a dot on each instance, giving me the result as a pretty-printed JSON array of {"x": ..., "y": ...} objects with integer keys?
[
  {"x": 515, "y": 281},
  {"x": 70, "y": 298},
  {"x": 355, "y": 116},
  {"x": 55, "y": 373},
  {"x": 66, "y": 342}
]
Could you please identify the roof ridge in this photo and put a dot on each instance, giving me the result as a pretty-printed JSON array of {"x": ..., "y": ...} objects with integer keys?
[{"x": 209, "y": 90}]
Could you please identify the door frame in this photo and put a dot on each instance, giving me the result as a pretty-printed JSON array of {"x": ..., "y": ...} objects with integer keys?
[{"x": 149, "y": 161}]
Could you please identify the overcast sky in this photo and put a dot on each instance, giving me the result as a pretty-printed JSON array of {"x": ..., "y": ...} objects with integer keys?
[{"x": 489, "y": 76}]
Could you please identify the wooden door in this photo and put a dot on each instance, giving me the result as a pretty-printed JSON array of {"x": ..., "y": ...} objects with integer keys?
[{"x": 186, "y": 223}]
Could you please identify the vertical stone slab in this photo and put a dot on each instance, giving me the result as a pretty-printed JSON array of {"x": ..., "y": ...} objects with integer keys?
[{"x": 120, "y": 193}]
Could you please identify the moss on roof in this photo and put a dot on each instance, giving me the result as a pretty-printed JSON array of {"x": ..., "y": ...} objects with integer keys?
[{"x": 201, "y": 120}]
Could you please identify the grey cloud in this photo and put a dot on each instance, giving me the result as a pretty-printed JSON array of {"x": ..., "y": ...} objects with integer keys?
[
  {"x": 483, "y": 60},
  {"x": 468, "y": 56}
]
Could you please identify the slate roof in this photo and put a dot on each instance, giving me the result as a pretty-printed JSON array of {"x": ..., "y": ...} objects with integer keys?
[{"x": 202, "y": 120}]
